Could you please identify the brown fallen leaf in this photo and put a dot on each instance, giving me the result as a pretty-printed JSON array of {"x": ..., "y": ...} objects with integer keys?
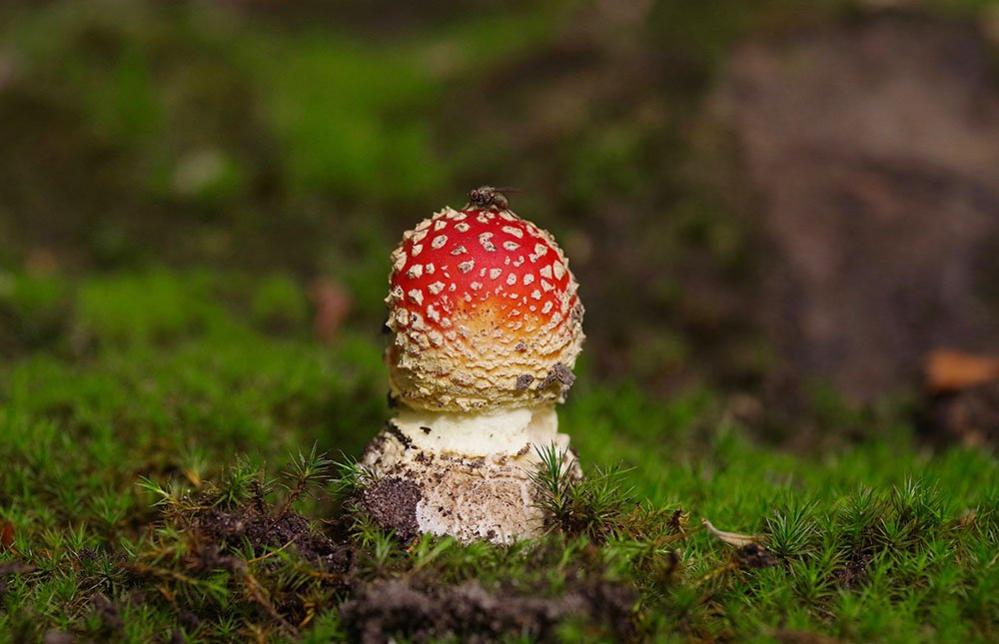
[
  {"x": 41, "y": 261},
  {"x": 332, "y": 303},
  {"x": 947, "y": 371},
  {"x": 6, "y": 534},
  {"x": 732, "y": 538}
]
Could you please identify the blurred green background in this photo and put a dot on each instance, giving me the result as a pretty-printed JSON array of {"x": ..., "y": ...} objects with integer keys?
[
  {"x": 778, "y": 212},
  {"x": 271, "y": 154},
  {"x": 291, "y": 141}
]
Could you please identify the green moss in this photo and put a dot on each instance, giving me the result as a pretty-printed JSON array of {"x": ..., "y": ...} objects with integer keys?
[
  {"x": 33, "y": 310},
  {"x": 279, "y": 302},
  {"x": 147, "y": 307},
  {"x": 354, "y": 119}
]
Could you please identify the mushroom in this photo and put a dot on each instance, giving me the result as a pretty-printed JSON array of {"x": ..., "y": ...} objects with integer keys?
[{"x": 486, "y": 325}]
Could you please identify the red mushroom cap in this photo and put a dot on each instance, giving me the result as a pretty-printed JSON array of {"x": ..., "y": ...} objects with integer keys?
[{"x": 485, "y": 313}]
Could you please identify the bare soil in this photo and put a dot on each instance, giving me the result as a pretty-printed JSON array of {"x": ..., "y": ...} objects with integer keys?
[
  {"x": 418, "y": 611},
  {"x": 874, "y": 149}
]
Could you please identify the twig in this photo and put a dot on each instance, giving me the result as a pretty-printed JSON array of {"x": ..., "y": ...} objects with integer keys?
[
  {"x": 732, "y": 538},
  {"x": 273, "y": 552}
]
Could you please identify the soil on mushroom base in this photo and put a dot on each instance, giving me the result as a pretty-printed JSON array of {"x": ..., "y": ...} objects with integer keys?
[{"x": 391, "y": 502}]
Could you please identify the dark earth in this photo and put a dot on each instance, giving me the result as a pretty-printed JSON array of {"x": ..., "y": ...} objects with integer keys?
[
  {"x": 874, "y": 149},
  {"x": 422, "y": 611}
]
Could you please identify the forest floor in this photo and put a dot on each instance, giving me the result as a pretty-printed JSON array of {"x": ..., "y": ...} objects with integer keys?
[
  {"x": 196, "y": 210},
  {"x": 161, "y": 482}
]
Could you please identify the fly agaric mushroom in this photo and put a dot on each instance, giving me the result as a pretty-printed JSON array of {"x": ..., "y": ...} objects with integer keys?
[{"x": 486, "y": 328}]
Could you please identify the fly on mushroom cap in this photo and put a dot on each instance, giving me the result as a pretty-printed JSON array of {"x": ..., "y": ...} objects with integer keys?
[{"x": 484, "y": 310}]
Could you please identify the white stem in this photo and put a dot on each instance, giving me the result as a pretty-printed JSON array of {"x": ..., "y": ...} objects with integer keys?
[{"x": 502, "y": 432}]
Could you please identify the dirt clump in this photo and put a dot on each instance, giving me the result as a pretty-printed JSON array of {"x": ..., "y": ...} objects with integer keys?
[
  {"x": 266, "y": 531},
  {"x": 853, "y": 573},
  {"x": 407, "y": 609},
  {"x": 967, "y": 416},
  {"x": 753, "y": 555}
]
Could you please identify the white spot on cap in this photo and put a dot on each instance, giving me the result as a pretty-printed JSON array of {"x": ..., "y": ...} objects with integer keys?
[
  {"x": 511, "y": 245},
  {"x": 494, "y": 273},
  {"x": 418, "y": 236},
  {"x": 465, "y": 267},
  {"x": 536, "y": 294},
  {"x": 528, "y": 278},
  {"x": 441, "y": 224},
  {"x": 511, "y": 279},
  {"x": 398, "y": 260},
  {"x": 435, "y": 288},
  {"x": 559, "y": 270},
  {"x": 438, "y": 241},
  {"x": 513, "y": 230},
  {"x": 430, "y": 268},
  {"x": 475, "y": 286},
  {"x": 546, "y": 309},
  {"x": 546, "y": 285},
  {"x": 486, "y": 244},
  {"x": 461, "y": 227},
  {"x": 417, "y": 249},
  {"x": 414, "y": 271},
  {"x": 459, "y": 250},
  {"x": 436, "y": 338},
  {"x": 433, "y": 313},
  {"x": 416, "y": 295},
  {"x": 539, "y": 251},
  {"x": 546, "y": 271},
  {"x": 402, "y": 317}
]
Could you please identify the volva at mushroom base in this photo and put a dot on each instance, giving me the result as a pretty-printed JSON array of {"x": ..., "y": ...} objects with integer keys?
[{"x": 486, "y": 326}]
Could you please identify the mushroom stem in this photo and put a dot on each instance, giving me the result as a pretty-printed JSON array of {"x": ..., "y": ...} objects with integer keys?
[
  {"x": 491, "y": 433},
  {"x": 473, "y": 469}
]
